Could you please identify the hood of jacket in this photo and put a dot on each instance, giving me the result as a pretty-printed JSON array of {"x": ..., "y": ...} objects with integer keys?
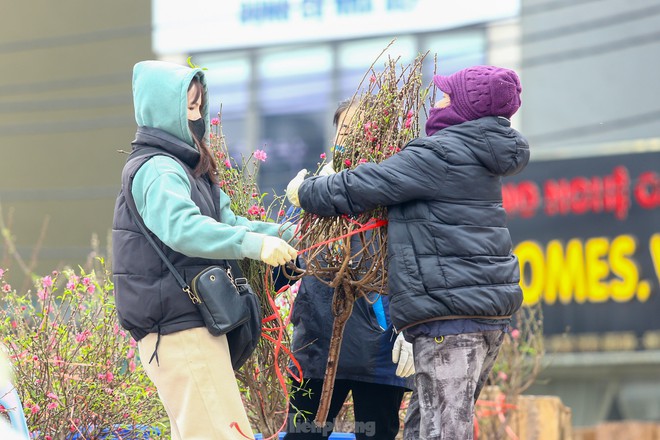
[
  {"x": 492, "y": 141},
  {"x": 160, "y": 97}
]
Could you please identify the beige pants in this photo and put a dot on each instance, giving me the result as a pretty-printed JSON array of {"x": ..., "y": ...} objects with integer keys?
[{"x": 196, "y": 384}]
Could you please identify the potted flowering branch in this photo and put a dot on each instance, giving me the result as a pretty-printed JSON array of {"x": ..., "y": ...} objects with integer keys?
[
  {"x": 76, "y": 370},
  {"x": 385, "y": 120},
  {"x": 263, "y": 379}
]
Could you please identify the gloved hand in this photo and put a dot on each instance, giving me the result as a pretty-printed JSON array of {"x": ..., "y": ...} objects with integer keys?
[
  {"x": 327, "y": 170},
  {"x": 276, "y": 252},
  {"x": 402, "y": 355},
  {"x": 292, "y": 187}
]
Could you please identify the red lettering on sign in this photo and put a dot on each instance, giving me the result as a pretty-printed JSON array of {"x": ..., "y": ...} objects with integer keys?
[
  {"x": 581, "y": 195},
  {"x": 647, "y": 190},
  {"x": 521, "y": 199}
]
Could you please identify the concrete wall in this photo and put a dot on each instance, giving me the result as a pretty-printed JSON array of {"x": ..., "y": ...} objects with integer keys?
[
  {"x": 65, "y": 110},
  {"x": 590, "y": 71}
]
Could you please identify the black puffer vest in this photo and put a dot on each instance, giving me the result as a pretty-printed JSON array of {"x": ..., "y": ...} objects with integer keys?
[{"x": 148, "y": 298}]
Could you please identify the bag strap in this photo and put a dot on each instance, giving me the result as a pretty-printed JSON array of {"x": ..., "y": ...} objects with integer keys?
[
  {"x": 127, "y": 184},
  {"x": 179, "y": 279}
]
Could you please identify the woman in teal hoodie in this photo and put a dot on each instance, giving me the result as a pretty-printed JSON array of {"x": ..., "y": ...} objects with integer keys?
[{"x": 171, "y": 180}]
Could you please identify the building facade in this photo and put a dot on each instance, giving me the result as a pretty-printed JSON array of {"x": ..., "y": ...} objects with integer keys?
[{"x": 65, "y": 111}]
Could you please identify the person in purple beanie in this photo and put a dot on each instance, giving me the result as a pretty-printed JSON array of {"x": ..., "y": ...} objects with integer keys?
[{"x": 453, "y": 279}]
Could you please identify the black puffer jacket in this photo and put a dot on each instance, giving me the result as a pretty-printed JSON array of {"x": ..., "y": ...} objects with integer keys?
[{"x": 449, "y": 251}]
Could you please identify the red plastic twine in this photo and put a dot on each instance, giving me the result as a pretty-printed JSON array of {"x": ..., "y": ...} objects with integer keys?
[
  {"x": 371, "y": 224},
  {"x": 499, "y": 408}
]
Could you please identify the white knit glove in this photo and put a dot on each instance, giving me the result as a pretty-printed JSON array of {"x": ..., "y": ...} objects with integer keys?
[
  {"x": 402, "y": 355},
  {"x": 327, "y": 170},
  {"x": 276, "y": 252},
  {"x": 292, "y": 187}
]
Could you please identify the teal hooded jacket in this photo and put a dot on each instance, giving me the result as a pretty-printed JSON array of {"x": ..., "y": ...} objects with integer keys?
[
  {"x": 189, "y": 216},
  {"x": 161, "y": 188}
]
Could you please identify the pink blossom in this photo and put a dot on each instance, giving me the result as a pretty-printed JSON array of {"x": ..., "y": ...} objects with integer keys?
[
  {"x": 410, "y": 114},
  {"x": 255, "y": 195},
  {"x": 2, "y": 273},
  {"x": 132, "y": 343},
  {"x": 14, "y": 324},
  {"x": 42, "y": 294},
  {"x": 227, "y": 163},
  {"x": 254, "y": 210},
  {"x": 363, "y": 160},
  {"x": 131, "y": 366},
  {"x": 130, "y": 354},
  {"x": 502, "y": 375},
  {"x": 91, "y": 288},
  {"x": 52, "y": 395},
  {"x": 372, "y": 79},
  {"x": 322, "y": 157},
  {"x": 215, "y": 121},
  {"x": 109, "y": 376},
  {"x": 408, "y": 123},
  {"x": 35, "y": 409},
  {"x": 281, "y": 213},
  {"x": 6, "y": 288},
  {"x": 70, "y": 285},
  {"x": 348, "y": 162},
  {"x": 260, "y": 155},
  {"x": 51, "y": 405},
  {"x": 515, "y": 333},
  {"x": 86, "y": 281},
  {"x": 35, "y": 358},
  {"x": 82, "y": 337}
]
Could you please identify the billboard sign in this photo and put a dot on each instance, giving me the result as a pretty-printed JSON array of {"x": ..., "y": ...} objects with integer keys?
[
  {"x": 587, "y": 233},
  {"x": 206, "y": 25}
]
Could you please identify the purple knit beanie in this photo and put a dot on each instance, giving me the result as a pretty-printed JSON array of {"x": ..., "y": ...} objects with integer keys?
[{"x": 480, "y": 91}]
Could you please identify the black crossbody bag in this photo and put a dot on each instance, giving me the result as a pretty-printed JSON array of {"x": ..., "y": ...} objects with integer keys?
[{"x": 227, "y": 304}]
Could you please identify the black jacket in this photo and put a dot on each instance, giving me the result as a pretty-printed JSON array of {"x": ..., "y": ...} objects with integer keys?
[
  {"x": 366, "y": 350},
  {"x": 449, "y": 251},
  {"x": 148, "y": 298}
]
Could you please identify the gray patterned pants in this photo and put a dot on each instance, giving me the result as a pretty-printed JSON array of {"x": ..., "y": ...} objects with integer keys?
[{"x": 450, "y": 372}]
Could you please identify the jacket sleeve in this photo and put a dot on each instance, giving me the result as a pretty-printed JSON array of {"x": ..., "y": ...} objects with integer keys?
[
  {"x": 285, "y": 230},
  {"x": 161, "y": 191},
  {"x": 413, "y": 173}
]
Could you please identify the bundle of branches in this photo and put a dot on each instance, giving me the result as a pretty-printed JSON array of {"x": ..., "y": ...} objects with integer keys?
[
  {"x": 348, "y": 253},
  {"x": 262, "y": 379}
]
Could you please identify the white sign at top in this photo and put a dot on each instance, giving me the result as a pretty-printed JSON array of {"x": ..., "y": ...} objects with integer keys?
[{"x": 189, "y": 26}]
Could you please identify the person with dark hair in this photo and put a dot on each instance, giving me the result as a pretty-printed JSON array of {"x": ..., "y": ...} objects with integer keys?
[
  {"x": 170, "y": 184},
  {"x": 453, "y": 279},
  {"x": 365, "y": 369}
]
